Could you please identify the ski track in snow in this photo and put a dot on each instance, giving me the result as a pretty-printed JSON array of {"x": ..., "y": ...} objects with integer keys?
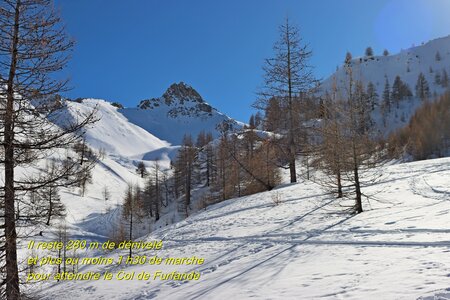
[{"x": 306, "y": 247}]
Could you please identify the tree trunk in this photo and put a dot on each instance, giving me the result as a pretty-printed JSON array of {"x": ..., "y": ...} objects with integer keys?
[
  {"x": 65, "y": 250},
  {"x": 157, "y": 195},
  {"x": 222, "y": 173},
  {"x": 358, "y": 204},
  {"x": 82, "y": 152},
  {"x": 58, "y": 268},
  {"x": 208, "y": 166},
  {"x": 307, "y": 166},
  {"x": 131, "y": 226},
  {"x": 50, "y": 208},
  {"x": 188, "y": 187},
  {"x": 12, "y": 272},
  {"x": 268, "y": 173},
  {"x": 292, "y": 169},
  {"x": 339, "y": 184},
  {"x": 292, "y": 151}
]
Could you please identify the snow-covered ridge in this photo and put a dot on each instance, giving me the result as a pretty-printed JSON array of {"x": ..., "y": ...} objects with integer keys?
[
  {"x": 179, "y": 111},
  {"x": 407, "y": 64},
  {"x": 112, "y": 132},
  {"x": 431, "y": 59},
  {"x": 155, "y": 123}
]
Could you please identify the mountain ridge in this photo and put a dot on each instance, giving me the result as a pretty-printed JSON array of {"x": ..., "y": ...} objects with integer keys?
[
  {"x": 179, "y": 111},
  {"x": 431, "y": 59},
  {"x": 407, "y": 64}
]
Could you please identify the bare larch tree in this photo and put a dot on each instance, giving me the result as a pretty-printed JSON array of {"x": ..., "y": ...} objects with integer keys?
[
  {"x": 286, "y": 77},
  {"x": 33, "y": 46}
]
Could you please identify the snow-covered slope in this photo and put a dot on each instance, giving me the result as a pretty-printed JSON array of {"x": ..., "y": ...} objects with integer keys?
[
  {"x": 112, "y": 132},
  {"x": 179, "y": 111},
  {"x": 306, "y": 247},
  {"x": 124, "y": 145},
  {"x": 407, "y": 64}
]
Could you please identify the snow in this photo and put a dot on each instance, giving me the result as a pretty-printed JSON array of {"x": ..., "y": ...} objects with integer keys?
[
  {"x": 173, "y": 129},
  {"x": 407, "y": 64},
  {"x": 419, "y": 59},
  {"x": 113, "y": 133},
  {"x": 307, "y": 247},
  {"x": 124, "y": 145},
  {"x": 178, "y": 112},
  {"x": 146, "y": 131}
]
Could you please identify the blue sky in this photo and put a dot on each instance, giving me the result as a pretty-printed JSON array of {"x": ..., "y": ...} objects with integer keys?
[{"x": 131, "y": 50}]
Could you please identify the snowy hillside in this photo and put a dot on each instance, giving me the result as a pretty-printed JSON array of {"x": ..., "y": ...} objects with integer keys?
[
  {"x": 306, "y": 247},
  {"x": 112, "y": 132},
  {"x": 124, "y": 145},
  {"x": 407, "y": 64},
  {"x": 180, "y": 110},
  {"x": 431, "y": 59}
]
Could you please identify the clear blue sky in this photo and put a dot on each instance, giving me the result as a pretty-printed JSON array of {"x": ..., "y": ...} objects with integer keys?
[{"x": 129, "y": 50}]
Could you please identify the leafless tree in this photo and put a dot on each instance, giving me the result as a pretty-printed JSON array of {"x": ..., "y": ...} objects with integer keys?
[
  {"x": 132, "y": 209},
  {"x": 349, "y": 150},
  {"x": 153, "y": 190},
  {"x": 141, "y": 169},
  {"x": 33, "y": 46},
  {"x": 184, "y": 169},
  {"x": 206, "y": 155},
  {"x": 287, "y": 75},
  {"x": 62, "y": 237}
]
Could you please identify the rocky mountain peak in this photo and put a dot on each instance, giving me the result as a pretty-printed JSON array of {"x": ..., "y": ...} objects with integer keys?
[
  {"x": 179, "y": 99},
  {"x": 181, "y": 92}
]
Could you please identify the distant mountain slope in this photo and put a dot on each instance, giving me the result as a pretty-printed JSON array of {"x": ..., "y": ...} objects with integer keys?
[
  {"x": 179, "y": 111},
  {"x": 429, "y": 59},
  {"x": 407, "y": 64},
  {"x": 113, "y": 132}
]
